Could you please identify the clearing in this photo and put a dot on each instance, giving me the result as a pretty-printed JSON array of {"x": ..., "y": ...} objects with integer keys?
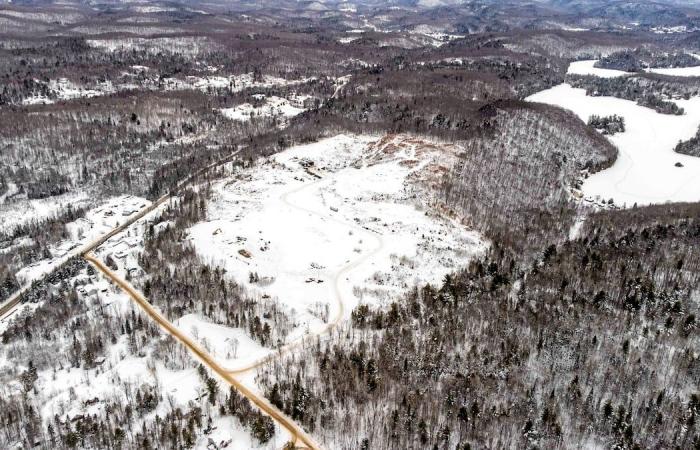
[{"x": 325, "y": 226}]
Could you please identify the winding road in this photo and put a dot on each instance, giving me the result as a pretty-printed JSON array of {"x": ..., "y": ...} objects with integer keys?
[{"x": 337, "y": 279}]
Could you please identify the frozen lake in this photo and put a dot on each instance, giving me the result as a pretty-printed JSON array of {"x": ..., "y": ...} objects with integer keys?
[{"x": 645, "y": 171}]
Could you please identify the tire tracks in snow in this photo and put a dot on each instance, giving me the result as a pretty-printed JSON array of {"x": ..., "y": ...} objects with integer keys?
[{"x": 337, "y": 280}]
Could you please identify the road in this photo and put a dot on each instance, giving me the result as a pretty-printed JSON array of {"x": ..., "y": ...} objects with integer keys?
[
  {"x": 296, "y": 431},
  {"x": 8, "y": 305},
  {"x": 16, "y": 298},
  {"x": 337, "y": 280}
]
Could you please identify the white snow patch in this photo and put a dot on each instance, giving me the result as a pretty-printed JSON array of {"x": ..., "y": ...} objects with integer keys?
[
  {"x": 223, "y": 343},
  {"x": 64, "y": 89},
  {"x": 270, "y": 107},
  {"x": 347, "y": 39},
  {"x": 672, "y": 30},
  {"x": 15, "y": 212},
  {"x": 693, "y": 71},
  {"x": 576, "y": 29},
  {"x": 586, "y": 68}
]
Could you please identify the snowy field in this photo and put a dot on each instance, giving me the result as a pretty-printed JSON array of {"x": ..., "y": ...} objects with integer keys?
[
  {"x": 646, "y": 170},
  {"x": 586, "y": 68},
  {"x": 18, "y": 211},
  {"x": 266, "y": 107},
  {"x": 436, "y": 37},
  {"x": 679, "y": 71},
  {"x": 74, "y": 392},
  {"x": 328, "y": 225},
  {"x": 228, "y": 345}
]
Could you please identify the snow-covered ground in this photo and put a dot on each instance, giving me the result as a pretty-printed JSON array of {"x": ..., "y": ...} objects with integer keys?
[
  {"x": 586, "y": 68},
  {"x": 437, "y": 37},
  {"x": 679, "y": 71},
  {"x": 227, "y": 345},
  {"x": 575, "y": 29},
  {"x": 266, "y": 107},
  {"x": 646, "y": 170},
  {"x": 349, "y": 228},
  {"x": 15, "y": 212},
  {"x": 348, "y": 39}
]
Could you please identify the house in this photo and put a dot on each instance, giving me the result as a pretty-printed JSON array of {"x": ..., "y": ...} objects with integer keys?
[{"x": 306, "y": 163}]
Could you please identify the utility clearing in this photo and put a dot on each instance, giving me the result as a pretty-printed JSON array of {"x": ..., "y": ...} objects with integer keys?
[
  {"x": 326, "y": 226},
  {"x": 647, "y": 170}
]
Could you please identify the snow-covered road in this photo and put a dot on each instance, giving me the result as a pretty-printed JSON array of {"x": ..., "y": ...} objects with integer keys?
[{"x": 342, "y": 291}]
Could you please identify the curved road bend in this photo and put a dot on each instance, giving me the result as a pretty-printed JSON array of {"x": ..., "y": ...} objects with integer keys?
[
  {"x": 298, "y": 434},
  {"x": 337, "y": 279}
]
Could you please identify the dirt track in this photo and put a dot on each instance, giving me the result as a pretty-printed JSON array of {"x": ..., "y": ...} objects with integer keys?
[{"x": 297, "y": 433}]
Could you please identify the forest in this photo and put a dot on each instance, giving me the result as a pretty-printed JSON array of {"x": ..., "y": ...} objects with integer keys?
[
  {"x": 608, "y": 125},
  {"x": 577, "y": 328},
  {"x": 641, "y": 58},
  {"x": 690, "y": 147},
  {"x": 431, "y": 369},
  {"x": 650, "y": 91}
]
